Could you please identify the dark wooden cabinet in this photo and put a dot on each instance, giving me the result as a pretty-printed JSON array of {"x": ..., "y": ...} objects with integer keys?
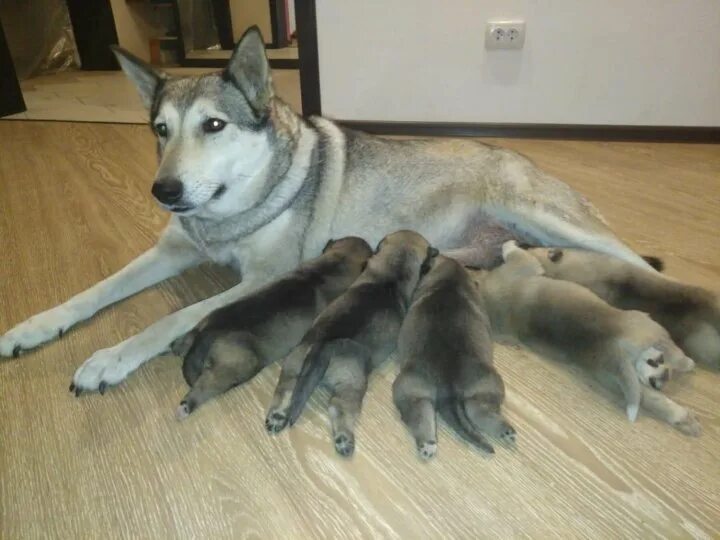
[{"x": 11, "y": 100}]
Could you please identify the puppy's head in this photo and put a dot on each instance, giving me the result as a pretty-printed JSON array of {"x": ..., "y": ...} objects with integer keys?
[
  {"x": 352, "y": 252},
  {"x": 403, "y": 255}
]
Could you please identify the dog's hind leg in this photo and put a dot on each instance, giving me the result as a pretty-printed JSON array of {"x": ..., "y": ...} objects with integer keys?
[
  {"x": 347, "y": 379},
  {"x": 172, "y": 254},
  {"x": 665, "y": 409},
  {"x": 344, "y": 408},
  {"x": 414, "y": 398},
  {"x": 487, "y": 420}
]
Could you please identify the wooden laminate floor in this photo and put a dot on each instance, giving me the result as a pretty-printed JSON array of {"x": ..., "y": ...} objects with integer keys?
[{"x": 75, "y": 207}]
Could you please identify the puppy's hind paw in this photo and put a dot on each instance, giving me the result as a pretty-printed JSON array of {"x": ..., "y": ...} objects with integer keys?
[
  {"x": 183, "y": 411},
  {"x": 276, "y": 422},
  {"x": 508, "y": 434},
  {"x": 427, "y": 450},
  {"x": 345, "y": 444},
  {"x": 690, "y": 426}
]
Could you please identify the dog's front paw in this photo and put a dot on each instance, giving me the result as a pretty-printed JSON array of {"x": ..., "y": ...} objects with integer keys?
[
  {"x": 37, "y": 330},
  {"x": 107, "y": 367},
  {"x": 508, "y": 247}
]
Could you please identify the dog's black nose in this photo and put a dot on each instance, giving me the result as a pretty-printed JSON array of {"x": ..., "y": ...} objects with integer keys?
[{"x": 167, "y": 190}]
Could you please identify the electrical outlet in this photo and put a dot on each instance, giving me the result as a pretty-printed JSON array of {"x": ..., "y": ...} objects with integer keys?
[{"x": 505, "y": 34}]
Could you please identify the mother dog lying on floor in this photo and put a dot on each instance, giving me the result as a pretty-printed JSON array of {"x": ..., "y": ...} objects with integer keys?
[{"x": 252, "y": 185}]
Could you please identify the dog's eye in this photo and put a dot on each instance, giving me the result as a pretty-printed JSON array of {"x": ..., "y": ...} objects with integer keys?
[
  {"x": 213, "y": 125},
  {"x": 161, "y": 130}
]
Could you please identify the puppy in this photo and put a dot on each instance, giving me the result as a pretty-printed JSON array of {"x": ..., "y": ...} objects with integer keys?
[
  {"x": 350, "y": 338},
  {"x": 237, "y": 341},
  {"x": 564, "y": 320},
  {"x": 690, "y": 314},
  {"x": 446, "y": 356}
]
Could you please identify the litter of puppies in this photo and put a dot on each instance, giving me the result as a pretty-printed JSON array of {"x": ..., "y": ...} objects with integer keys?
[{"x": 338, "y": 317}]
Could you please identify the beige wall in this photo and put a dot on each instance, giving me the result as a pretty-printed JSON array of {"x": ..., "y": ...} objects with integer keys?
[
  {"x": 636, "y": 62},
  {"x": 133, "y": 28},
  {"x": 246, "y": 13}
]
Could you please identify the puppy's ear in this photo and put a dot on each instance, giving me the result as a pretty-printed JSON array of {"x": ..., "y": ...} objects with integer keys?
[
  {"x": 328, "y": 245},
  {"x": 147, "y": 80},
  {"x": 249, "y": 71}
]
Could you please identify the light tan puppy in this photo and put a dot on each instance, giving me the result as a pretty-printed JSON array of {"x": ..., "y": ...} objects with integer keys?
[
  {"x": 690, "y": 314},
  {"x": 350, "y": 338},
  {"x": 446, "y": 356},
  {"x": 565, "y": 321}
]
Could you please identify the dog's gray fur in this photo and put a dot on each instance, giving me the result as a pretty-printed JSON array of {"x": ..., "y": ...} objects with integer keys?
[
  {"x": 268, "y": 190},
  {"x": 354, "y": 335},
  {"x": 446, "y": 356},
  {"x": 563, "y": 320},
  {"x": 237, "y": 341},
  {"x": 690, "y": 314}
]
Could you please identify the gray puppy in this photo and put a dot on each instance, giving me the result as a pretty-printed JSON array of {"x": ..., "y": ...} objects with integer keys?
[
  {"x": 563, "y": 320},
  {"x": 446, "y": 356},
  {"x": 690, "y": 314},
  {"x": 237, "y": 341},
  {"x": 350, "y": 338}
]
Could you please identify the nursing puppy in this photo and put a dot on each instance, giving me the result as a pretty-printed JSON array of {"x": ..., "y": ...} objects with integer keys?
[
  {"x": 350, "y": 338},
  {"x": 690, "y": 314},
  {"x": 237, "y": 341},
  {"x": 566, "y": 321},
  {"x": 445, "y": 351}
]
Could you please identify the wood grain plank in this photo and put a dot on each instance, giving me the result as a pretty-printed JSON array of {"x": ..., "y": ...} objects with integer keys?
[{"x": 75, "y": 207}]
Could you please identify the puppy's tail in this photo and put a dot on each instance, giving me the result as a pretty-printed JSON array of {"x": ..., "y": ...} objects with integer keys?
[
  {"x": 313, "y": 370},
  {"x": 656, "y": 262},
  {"x": 455, "y": 415},
  {"x": 194, "y": 359}
]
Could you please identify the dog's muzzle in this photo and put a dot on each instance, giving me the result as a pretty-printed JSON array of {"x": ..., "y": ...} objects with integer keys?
[{"x": 168, "y": 191}]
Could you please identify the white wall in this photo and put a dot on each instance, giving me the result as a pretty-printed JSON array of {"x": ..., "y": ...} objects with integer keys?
[{"x": 654, "y": 62}]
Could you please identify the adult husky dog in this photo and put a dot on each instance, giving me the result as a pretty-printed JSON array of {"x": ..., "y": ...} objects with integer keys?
[{"x": 251, "y": 184}]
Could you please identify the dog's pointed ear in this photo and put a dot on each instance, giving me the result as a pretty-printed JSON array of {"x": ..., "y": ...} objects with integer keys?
[
  {"x": 146, "y": 79},
  {"x": 249, "y": 70}
]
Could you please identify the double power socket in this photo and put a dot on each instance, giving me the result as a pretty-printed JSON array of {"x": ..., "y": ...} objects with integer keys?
[{"x": 505, "y": 34}]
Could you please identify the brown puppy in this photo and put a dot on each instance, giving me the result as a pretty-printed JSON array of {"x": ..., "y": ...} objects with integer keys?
[
  {"x": 446, "y": 356},
  {"x": 563, "y": 320},
  {"x": 350, "y": 338},
  {"x": 690, "y": 314},
  {"x": 237, "y": 341}
]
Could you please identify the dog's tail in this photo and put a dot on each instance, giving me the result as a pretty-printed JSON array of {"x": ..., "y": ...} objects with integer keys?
[
  {"x": 453, "y": 412},
  {"x": 313, "y": 370}
]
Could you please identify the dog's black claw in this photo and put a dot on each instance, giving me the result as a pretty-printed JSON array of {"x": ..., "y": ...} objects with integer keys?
[
  {"x": 78, "y": 391},
  {"x": 102, "y": 387},
  {"x": 60, "y": 333},
  {"x": 16, "y": 351},
  {"x": 72, "y": 387}
]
